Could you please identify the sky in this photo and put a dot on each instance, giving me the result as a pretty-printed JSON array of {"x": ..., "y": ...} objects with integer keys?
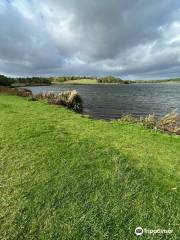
[{"x": 132, "y": 39}]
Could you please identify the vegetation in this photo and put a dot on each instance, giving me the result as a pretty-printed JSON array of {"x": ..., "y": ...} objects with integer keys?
[
  {"x": 29, "y": 81},
  {"x": 71, "y": 79},
  {"x": 5, "y": 81},
  {"x": 169, "y": 123},
  {"x": 9, "y": 90},
  {"x": 33, "y": 81},
  {"x": 22, "y": 92},
  {"x": 82, "y": 81},
  {"x": 65, "y": 176},
  {"x": 176, "y": 80},
  {"x": 70, "y": 99},
  {"x": 107, "y": 79},
  {"x": 86, "y": 80},
  {"x": 110, "y": 79},
  {"x": 8, "y": 81}
]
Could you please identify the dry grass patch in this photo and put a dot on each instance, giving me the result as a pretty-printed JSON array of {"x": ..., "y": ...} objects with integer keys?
[
  {"x": 170, "y": 123},
  {"x": 70, "y": 99}
]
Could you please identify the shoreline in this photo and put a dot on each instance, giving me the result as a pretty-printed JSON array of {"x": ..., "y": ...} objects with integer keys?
[
  {"x": 117, "y": 84},
  {"x": 169, "y": 123}
]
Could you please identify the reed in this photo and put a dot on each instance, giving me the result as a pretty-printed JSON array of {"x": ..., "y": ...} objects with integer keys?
[
  {"x": 129, "y": 118},
  {"x": 170, "y": 123},
  {"x": 70, "y": 99},
  {"x": 23, "y": 92},
  {"x": 149, "y": 121},
  {"x": 45, "y": 95}
]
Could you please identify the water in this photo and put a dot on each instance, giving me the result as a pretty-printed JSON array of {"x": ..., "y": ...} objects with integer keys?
[{"x": 113, "y": 101}]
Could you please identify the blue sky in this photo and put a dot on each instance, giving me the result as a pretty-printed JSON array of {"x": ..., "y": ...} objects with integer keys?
[{"x": 137, "y": 39}]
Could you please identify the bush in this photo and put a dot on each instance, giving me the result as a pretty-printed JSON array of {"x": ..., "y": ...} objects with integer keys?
[
  {"x": 129, "y": 118},
  {"x": 22, "y": 92},
  {"x": 170, "y": 123},
  {"x": 149, "y": 121},
  {"x": 34, "y": 81},
  {"x": 75, "y": 101},
  {"x": 70, "y": 99},
  {"x": 5, "y": 81},
  {"x": 45, "y": 95},
  {"x": 110, "y": 79}
]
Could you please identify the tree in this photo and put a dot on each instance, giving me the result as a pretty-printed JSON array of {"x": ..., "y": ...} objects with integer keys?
[{"x": 5, "y": 81}]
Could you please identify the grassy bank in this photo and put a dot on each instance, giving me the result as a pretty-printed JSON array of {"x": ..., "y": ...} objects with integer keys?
[
  {"x": 64, "y": 176},
  {"x": 81, "y": 81}
]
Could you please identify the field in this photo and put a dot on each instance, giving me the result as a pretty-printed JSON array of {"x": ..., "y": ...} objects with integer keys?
[
  {"x": 81, "y": 81},
  {"x": 65, "y": 176}
]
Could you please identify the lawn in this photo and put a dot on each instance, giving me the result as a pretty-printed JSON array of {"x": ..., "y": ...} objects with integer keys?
[{"x": 65, "y": 176}]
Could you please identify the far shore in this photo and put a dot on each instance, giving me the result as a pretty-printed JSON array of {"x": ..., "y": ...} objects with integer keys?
[
  {"x": 29, "y": 85},
  {"x": 47, "y": 81},
  {"x": 94, "y": 82}
]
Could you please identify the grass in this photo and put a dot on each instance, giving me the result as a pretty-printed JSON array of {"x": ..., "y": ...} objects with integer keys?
[
  {"x": 65, "y": 176},
  {"x": 95, "y": 81},
  {"x": 81, "y": 81},
  {"x": 84, "y": 81},
  {"x": 70, "y": 99}
]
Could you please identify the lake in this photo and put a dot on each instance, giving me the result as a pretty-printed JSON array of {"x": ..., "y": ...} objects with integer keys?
[{"x": 113, "y": 101}]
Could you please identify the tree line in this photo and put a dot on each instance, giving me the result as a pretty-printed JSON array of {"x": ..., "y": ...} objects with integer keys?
[
  {"x": 9, "y": 81},
  {"x": 110, "y": 79}
]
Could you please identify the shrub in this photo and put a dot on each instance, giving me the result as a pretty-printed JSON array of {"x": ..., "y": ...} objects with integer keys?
[
  {"x": 110, "y": 79},
  {"x": 34, "y": 81},
  {"x": 70, "y": 99},
  {"x": 129, "y": 118},
  {"x": 75, "y": 101},
  {"x": 63, "y": 96},
  {"x": 45, "y": 95},
  {"x": 55, "y": 101},
  {"x": 23, "y": 92},
  {"x": 170, "y": 123},
  {"x": 149, "y": 121},
  {"x": 5, "y": 81}
]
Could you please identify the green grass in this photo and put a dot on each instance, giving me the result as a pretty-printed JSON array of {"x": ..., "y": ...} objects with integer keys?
[
  {"x": 85, "y": 81},
  {"x": 64, "y": 176},
  {"x": 81, "y": 81}
]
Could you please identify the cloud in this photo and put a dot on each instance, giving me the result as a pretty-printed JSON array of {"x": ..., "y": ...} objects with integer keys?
[{"x": 137, "y": 39}]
